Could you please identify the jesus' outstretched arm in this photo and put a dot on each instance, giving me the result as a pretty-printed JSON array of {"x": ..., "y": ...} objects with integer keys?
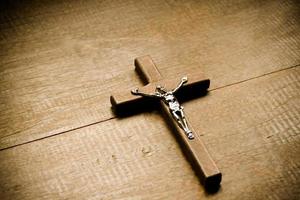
[
  {"x": 183, "y": 81},
  {"x": 137, "y": 92}
]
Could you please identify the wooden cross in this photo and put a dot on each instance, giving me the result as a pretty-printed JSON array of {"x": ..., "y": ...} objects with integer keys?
[{"x": 194, "y": 149}]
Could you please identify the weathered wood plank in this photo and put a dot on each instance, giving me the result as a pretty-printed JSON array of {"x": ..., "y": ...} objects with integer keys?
[
  {"x": 251, "y": 129},
  {"x": 61, "y": 61}
]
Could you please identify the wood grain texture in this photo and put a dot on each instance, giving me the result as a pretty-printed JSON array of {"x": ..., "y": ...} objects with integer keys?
[
  {"x": 60, "y": 61},
  {"x": 251, "y": 129}
]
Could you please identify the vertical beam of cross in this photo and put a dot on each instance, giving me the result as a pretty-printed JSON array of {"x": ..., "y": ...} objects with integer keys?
[{"x": 194, "y": 149}]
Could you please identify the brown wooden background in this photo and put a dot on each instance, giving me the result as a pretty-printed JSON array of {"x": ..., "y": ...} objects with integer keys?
[{"x": 60, "y": 61}]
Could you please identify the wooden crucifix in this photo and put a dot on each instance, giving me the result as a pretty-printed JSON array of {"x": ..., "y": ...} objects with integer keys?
[{"x": 163, "y": 90}]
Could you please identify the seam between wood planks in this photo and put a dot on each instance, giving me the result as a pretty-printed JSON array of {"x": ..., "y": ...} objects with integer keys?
[
  {"x": 59, "y": 133},
  {"x": 114, "y": 117},
  {"x": 249, "y": 79}
]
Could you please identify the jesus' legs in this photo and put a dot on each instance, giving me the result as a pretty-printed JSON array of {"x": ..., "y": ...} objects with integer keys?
[{"x": 180, "y": 118}]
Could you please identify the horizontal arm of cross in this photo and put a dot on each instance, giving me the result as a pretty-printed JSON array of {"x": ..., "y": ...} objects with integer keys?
[{"x": 196, "y": 83}]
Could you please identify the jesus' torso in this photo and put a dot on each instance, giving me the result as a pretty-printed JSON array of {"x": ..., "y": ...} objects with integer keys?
[{"x": 171, "y": 101}]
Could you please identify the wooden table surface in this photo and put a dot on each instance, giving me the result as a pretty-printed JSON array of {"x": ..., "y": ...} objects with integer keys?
[{"x": 61, "y": 60}]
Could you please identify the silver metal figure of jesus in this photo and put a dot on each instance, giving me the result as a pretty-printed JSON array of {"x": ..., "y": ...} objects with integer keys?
[{"x": 170, "y": 100}]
